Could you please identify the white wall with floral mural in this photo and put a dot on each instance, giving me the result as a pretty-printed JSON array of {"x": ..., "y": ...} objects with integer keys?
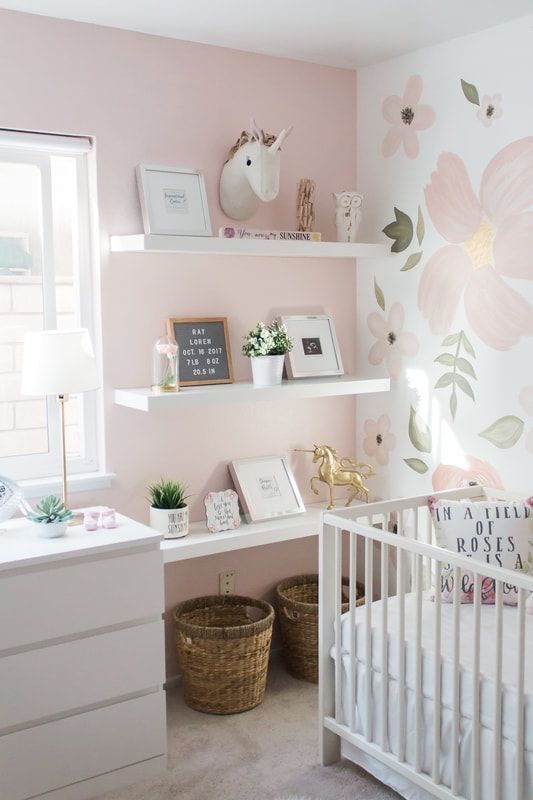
[{"x": 445, "y": 150}]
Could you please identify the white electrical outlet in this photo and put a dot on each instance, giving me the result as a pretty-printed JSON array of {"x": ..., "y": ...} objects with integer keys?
[{"x": 227, "y": 582}]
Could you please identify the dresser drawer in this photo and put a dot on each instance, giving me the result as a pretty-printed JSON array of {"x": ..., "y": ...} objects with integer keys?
[
  {"x": 82, "y": 596},
  {"x": 47, "y": 757},
  {"x": 51, "y": 681}
]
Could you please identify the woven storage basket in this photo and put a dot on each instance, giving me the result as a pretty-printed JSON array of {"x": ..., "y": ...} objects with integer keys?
[
  {"x": 223, "y": 643},
  {"x": 297, "y": 604}
]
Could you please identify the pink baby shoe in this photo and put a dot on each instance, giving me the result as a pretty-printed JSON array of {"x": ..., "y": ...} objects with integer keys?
[
  {"x": 109, "y": 518},
  {"x": 91, "y": 519}
]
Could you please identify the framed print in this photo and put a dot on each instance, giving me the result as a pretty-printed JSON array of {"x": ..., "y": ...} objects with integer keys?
[
  {"x": 173, "y": 201},
  {"x": 204, "y": 350},
  {"x": 267, "y": 488},
  {"x": 316, "y": 351}
]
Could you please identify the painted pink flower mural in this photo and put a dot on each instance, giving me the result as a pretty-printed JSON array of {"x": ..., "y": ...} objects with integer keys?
[
  {"x": 407, "y": 116},
  {"x": 379, "y": 440},
  {"x": 448, "y": 476},
  {"x": 490, "y": 237},
  {"x": 392, "y": 341},
  {"x": 526, "y": 401}
]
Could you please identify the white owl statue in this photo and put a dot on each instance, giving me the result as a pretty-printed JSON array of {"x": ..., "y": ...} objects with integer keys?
[{"x": 348, "y": 214}]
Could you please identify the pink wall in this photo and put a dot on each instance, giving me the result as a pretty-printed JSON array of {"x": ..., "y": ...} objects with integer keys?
[{"x": 163, "y": 101}]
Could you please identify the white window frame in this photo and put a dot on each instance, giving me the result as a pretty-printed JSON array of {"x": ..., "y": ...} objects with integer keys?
[{"x": 37, "y": 149}]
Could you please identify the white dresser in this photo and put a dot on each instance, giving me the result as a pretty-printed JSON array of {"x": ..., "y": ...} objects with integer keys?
[{"x": 82, "y": 706}]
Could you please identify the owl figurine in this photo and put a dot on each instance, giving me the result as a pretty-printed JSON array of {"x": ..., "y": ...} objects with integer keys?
[{"x": 348, "y": 213}]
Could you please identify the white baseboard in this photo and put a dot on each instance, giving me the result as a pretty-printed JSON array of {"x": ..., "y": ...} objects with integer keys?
[{"x": 173, "y": 681}]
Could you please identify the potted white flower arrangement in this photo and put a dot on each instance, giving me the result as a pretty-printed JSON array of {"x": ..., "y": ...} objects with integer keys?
[
  {"x": 169, "y": 513},
  {"x": 50, "y": 517},
  {"x": 266, "y": 346}
]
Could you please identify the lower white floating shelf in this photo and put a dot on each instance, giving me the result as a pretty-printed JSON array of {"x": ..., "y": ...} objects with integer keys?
[
  {"x": 245, "y": 392},
  {"x": 200, "y": 542}
]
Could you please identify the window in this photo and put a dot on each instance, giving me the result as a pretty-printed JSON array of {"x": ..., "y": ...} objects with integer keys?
[{"x": 45, "y": 282}]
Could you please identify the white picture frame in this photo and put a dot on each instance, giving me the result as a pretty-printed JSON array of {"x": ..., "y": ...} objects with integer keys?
[
  {"x": 266, "y": 487},
  {"x": 316, "y": 352},
  {"x": 173, "y": 201}
]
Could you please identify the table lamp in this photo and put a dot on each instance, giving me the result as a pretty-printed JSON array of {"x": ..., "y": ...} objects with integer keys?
[{"x": 60, "y": 363}]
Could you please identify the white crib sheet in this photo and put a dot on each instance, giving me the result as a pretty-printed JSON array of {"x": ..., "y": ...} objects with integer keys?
[{"x": 509, "y": 669}]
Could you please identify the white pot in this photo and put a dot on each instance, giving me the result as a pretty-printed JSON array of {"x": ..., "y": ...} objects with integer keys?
[
  {"x": 50, "y": 530},
  {"x": 267, "y": 370},
  {"x": 173, "y": 523}
]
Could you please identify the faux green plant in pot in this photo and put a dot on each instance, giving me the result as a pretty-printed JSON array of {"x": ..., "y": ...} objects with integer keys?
[
  {"x": 169, "y": 512},
  {"x": 266, "y": 347},
  {"x": 51, "y": 517}
]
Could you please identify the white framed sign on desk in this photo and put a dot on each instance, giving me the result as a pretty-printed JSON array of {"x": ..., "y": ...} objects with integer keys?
[
  {"x": 173, "y": 201},
  {"x": 267, "y": 488}
]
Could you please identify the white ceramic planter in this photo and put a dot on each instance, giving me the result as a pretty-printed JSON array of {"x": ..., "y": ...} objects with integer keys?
[
  {"x": 50, "y": 530},
  {"x": 267, "y": 370},
  {"x": 173, "y": 523}
]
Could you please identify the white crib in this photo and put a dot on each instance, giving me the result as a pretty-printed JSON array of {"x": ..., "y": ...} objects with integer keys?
[{"x": 434, "y": 699}]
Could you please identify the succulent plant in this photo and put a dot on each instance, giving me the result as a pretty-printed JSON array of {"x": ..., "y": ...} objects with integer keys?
[
  {"x": 167, "y": 494},
  {"x": 51, "y": 509}
]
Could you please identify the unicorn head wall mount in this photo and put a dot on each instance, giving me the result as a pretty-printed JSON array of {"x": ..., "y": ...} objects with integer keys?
[{"x": 251, "y": 173}]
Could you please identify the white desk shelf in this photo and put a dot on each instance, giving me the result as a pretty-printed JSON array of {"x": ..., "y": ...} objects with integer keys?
[
  {"x": 200, "y": 542},
  {"x": 212, "y": 245},
  {"x": 245, "y": 392}
]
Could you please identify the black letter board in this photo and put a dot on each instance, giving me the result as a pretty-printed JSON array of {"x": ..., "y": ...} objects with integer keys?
[{"x": 204, "y": 350}]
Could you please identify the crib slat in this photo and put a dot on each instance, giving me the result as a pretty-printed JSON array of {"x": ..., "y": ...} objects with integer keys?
[
  {"x": 520, "y": 694},
  {"x": 353, "y": 600},
  {"x": 418, "y": 661},
  {"x": 338, "y": 612},
  {"x": 384, "y": 643},
  {"x": 456, "y": 635},
  {"x": 474, "y": 758},
  {"x": 497, "y": 777},
  {"x": 369, "y": 567},
  {"x": 429, "y": 539},
  {"x": 437, "y": 675},
  {"x": 400, "y": 590}
]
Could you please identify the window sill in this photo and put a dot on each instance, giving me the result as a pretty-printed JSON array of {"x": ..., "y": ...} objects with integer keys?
[{"x": 81, "y": 482}]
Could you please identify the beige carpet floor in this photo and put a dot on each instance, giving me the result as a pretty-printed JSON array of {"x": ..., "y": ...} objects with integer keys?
[{"x": 264, "y": 754}]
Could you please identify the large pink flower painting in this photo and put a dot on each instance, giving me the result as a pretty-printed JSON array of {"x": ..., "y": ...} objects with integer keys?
[
  {"x": 379, "y": 440},
  {"x": 448, "y": 476},
  {"x": 392, "y": 341},
  {"x": 407, "y": 116},
  {"x": 490, "y": 238}
]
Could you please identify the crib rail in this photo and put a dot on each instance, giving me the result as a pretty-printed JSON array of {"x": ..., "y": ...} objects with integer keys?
[{"x": 390, "y": 544}]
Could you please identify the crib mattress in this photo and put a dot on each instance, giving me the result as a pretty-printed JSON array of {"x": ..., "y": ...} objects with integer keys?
[{"x": 487, "y": 700}]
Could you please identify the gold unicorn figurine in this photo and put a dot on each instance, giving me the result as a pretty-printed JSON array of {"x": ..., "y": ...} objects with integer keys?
[{"x": 335, "y": 471}]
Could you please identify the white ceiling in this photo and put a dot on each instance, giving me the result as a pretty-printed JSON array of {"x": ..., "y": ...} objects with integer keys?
[{"x": 342, "y": 33}]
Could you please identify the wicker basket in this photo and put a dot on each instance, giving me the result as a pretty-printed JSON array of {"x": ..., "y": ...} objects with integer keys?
[
  {"x": 297, "y": 603},
  {"x": 223, "y": 643}
]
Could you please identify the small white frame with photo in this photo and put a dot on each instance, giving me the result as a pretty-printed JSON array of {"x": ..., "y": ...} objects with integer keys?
[
  {"x": 316, "y": 352},
  {"x": 267, "y": 488},
  {"x": 173, "y": 201}
]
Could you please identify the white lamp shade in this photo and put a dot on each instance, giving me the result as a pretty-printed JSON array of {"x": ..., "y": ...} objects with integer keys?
[{"x": 59, "y": 362}]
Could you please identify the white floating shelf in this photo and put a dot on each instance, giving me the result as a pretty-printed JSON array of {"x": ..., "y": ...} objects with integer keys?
[
  {"x": 200, "y": 542},
  {"x": 212, "y": 245},
  {"x": 244, "y": 392}
]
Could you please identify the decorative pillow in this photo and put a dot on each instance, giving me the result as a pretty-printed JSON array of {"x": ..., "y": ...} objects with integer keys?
[{"x": 497, "y": 532}]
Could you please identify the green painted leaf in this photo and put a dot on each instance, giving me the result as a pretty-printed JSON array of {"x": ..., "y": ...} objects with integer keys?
[
  {"x": 412, "y": 261},
  {"x": 417, "y": 464},
  {"x": 419, "y": 432},
  {"x": 466, "y": 366},
  {"x": 463, "y": 384},
  {"x": 445, "y": 380},
  {"x": 420, "y": 226},
  {"x": 380, "y": 297},
  {"x": 470, "y": 92},
  {"x": 467, "y": 346},
  {"x": 401, "y": 231},
  {"x": 505, "y": 432},
  {"x": 447, "y": 359},
  {"x": 453, "y": 338},
  {"x": 453, "y": 405}
]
